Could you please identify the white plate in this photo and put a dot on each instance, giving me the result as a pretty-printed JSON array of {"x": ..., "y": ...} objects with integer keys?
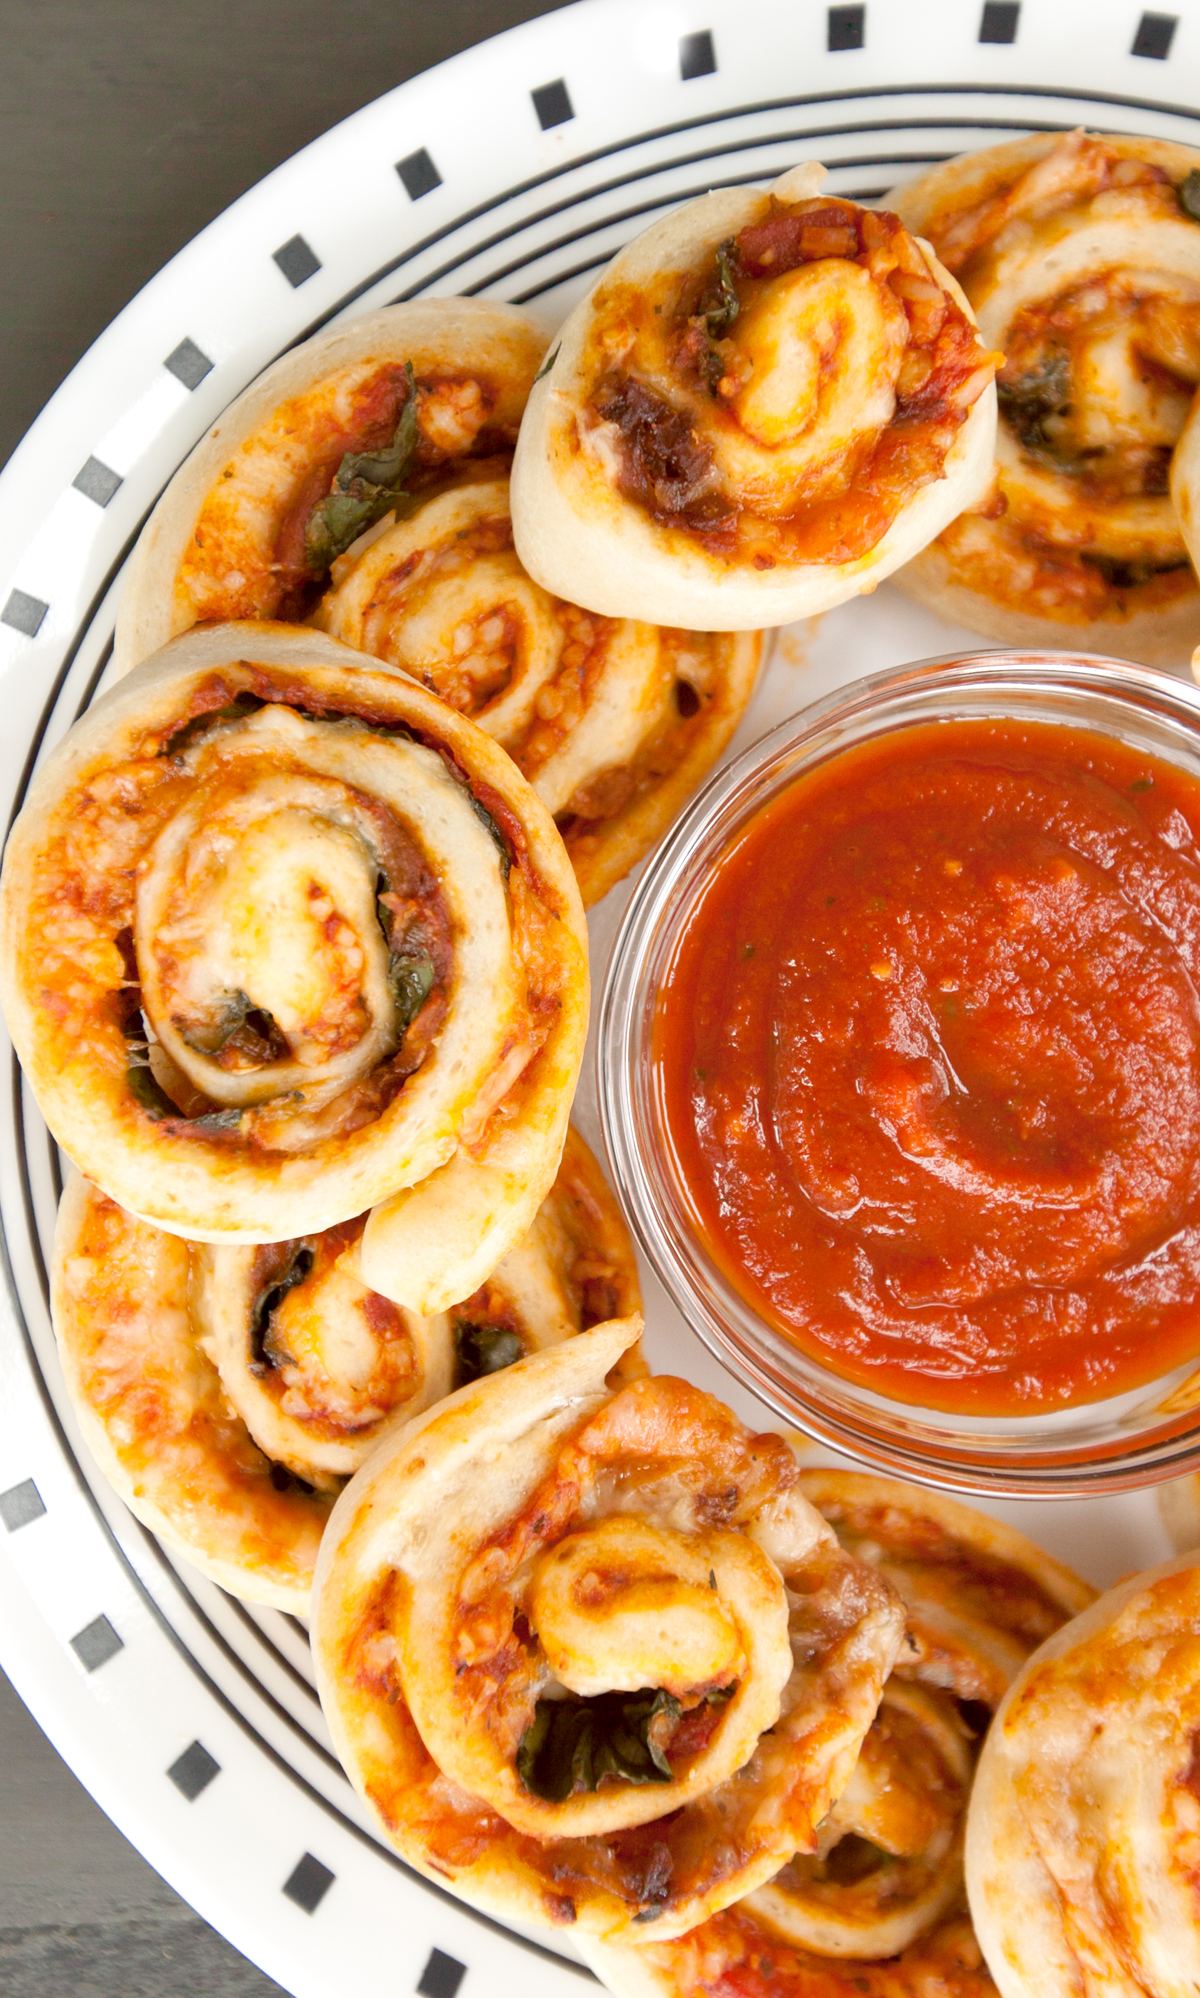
[{"x": 522, "y": 166}]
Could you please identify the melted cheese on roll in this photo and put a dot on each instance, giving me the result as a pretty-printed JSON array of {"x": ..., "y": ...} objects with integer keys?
[
  {"x": 613, "y": 722},
  {"x": 765, "y": 405},
  {"x": 1084, "y": 1822},
  {"x": 1081, "y": 257},
  {"x": 228, "y": 1393},
  {"x": 287, "y": 939},
  {"x": 587, "y": 1653},
  {"x": 374, "y": 415}
]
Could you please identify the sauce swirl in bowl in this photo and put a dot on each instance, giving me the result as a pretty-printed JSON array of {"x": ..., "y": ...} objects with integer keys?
[{"x": 929, "y": 1059}]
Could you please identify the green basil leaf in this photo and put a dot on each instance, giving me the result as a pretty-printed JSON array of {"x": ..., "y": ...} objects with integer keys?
[
  {"x": 265, "y": 1351},
  {"x": 1189, "y": 195},
  {"x": 721, "y": 313},
  {"x": 548, "y": 363},
  {"x": 410, "y": 981},
  {"x": 572, "y": 1744},
  {"x": 144, "y": 1089},
  {"x": 484, "y": 1349},
  {"x": 367, "y": 485},
  {"x": 482, "y": 813}
]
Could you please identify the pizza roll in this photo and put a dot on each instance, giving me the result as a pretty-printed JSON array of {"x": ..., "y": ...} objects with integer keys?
[
  {"x": 228, "y": 1393},
  {"x": 734, "y": 1956},
  {"x": 357, "y": 423},
  {"x": 764, "y": 406},
  {"x": 286, "y": 939},
  {"x": 613, "y": 722},
  {"x": 588, "y": 1655},
  {"x": 1081, "y": 1838},
  {"x": 979, "y": 1597},
  {"x": 1081, "y": 257}
]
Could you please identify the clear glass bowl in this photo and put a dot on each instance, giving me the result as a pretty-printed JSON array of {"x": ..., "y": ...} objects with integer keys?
[{"x": 1134, "y": 1439}]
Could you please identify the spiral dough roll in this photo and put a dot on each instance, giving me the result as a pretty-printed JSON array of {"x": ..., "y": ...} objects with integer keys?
[
  {"x": 613, "y": 721},
  {"x": 1081, "y": 256},
  {"x": 286, "y": 939},
  {"x": 764, "y": 406},
  {"x": 1083, "y": 1827},
  {"x": 879, "y": 1907},
  {"x": 233, "y": 536},
  {"x": 587, "y": 1653},
  {"x": 228, "y": 1393}
]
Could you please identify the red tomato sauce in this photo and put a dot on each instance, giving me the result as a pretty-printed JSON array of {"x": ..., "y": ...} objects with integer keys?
[{"x": 929, "y": 1059}]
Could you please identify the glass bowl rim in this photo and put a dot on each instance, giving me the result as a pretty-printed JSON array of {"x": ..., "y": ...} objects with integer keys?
[{"x": 726, "y": 801}]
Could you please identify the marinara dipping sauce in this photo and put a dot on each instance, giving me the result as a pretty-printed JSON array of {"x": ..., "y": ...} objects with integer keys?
[{"x": 929, "y": 1058}]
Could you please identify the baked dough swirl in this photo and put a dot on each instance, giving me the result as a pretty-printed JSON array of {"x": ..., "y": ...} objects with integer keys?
[
  {"x": 315, "y": 451},
  {"x": 589, "y": 1655},
  {"x": 979, "y": 1597},
  {"x": 879, "y": 1907},
  {"x": 287, "y": 939},
  {"x": 228, "y": 1393},
  {"x": 1081, "y": 257},
  {"x": 1084, "y": 1823},
  {"x": 765, "y": 404},
  {"x": 613, "y": 722},
  {"x": 734, "y": 1956}
]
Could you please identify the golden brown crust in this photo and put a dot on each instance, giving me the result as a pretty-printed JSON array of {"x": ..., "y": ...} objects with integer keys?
[
  {"x": 436, "y": 1621},
  {"x": 733, "y": 1956},
  {"x": 618, "y": 428},
  {"x": 120, "y": 782},
  {"x": 1082, "y": 1837},
  {"x": 210, "y": 549},
  {"x": 154, "y": 1414},
  {"x": 1084, "y": 267},
  {"x": 227, "y": 1393},
  {"x": 614, "y": 722}
]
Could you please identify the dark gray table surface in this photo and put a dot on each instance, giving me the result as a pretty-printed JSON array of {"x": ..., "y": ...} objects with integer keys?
[{"x": 125, "y": 126}]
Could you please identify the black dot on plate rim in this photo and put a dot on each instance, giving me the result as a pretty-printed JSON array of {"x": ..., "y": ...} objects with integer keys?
[
  {"x": 418, "y": 174},
  {"x": 188, "y": 363},
  {"x": 297, "y": 260},
  {"x": 846, "y": 28},
  {"x": 697, "y": 55},
  {"x": 1154, "y": 36},
  {"x": 96, "y": 1643},
  {"x": 24, "y": 613},
  {"x": 552, "y": 102},
  {"x": 441, "y": 1976},
  {"x": 97, "y": 481},
  {"x": 20, "y": 1505},
  {"x": 308, "y": 1883},
  {"x": 194, "y": 1770},
  {"x": 998, "y": 22}
]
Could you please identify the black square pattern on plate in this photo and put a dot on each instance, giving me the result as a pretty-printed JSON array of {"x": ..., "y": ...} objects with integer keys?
[
  {"x": 194, "y": 1770},
  {"x": 552, "y": 102},
  {"x": 418, "y": 174},
  {"x": 308, "y": 1883},
  {"x": 441, "y": 1976},
  {"x": 96, "y": 1643},
  {"x": 97, "y": 481},
  {"x": 189, "y": 364},
  {"x": 1155, "y": 34},
  {"x": 999, "y": 21},
  {"x": 297, "y": 260},
  {"x": 20, "y": 1505},
  {"x": 697, "y": 56},
  {"x": 847, "y": 28},
  {"x": 24, "y": 613}
]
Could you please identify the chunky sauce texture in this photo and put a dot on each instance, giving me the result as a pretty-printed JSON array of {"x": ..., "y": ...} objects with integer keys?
[{"x": 929, "y": 1057}]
